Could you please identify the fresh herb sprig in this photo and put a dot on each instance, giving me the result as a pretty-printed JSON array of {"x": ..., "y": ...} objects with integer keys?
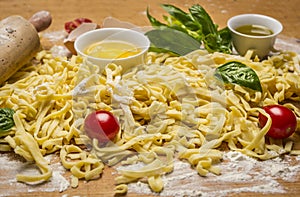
[
  {"x": 238, "y": 73},
  {"x": 196, "y": 25},
  {"x": 6, "y": 119}
]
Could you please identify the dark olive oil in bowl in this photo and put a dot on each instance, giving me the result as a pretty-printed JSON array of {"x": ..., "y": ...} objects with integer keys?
[{"x": 254, "y": 30}]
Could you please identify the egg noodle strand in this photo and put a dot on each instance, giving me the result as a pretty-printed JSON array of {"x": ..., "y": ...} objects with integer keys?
[{"x": 170, "y": 108}]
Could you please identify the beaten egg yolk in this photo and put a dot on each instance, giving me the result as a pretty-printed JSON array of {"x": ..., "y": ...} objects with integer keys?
[{"x": 112, "y": 49}]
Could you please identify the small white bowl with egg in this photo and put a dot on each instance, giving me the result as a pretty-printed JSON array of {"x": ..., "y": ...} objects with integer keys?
[
  {"x": 254, "y": 32},
  {"x": 124, "y": 47}
]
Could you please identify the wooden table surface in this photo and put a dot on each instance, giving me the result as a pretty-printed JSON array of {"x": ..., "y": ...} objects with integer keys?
[
  {"x": 133, "y": 11},
  {"x": 286, "y": 11}
]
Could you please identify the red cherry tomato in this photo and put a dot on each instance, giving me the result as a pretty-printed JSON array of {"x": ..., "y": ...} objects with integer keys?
[
  {"x": 71, "y": 25},
  {"x": 284, "y": 122},
  {"x": 101, "y": 125}
]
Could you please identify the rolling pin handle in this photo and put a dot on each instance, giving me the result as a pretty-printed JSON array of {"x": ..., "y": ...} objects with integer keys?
[{"x": 41, "y": 20}]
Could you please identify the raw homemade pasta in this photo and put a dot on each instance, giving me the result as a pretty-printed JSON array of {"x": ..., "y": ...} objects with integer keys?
[
  {"x": 171, "y": 107},
  {"x": 175, "y": 107}
]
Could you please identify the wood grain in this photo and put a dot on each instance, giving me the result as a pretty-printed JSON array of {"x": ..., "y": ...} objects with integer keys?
[{"x": 134, "y": 10}]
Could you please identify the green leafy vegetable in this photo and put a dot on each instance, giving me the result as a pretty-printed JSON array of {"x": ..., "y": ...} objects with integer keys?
[
  {"x": 197, "y": 24},
  {"x": 238, "y": 73},
  {"x": 6, "y": 119},
  {"x": 166, "y": 39}
]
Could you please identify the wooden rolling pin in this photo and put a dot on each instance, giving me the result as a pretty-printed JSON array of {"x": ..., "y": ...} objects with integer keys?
[{"x": 19, "y": 41}]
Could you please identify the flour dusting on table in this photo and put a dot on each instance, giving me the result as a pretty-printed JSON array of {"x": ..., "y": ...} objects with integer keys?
[
  {"x": 11, "y": 166},
  {"x": 240, "y": 173}
]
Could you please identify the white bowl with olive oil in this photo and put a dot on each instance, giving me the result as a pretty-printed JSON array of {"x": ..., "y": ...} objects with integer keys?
[
  {"x": 254, "y": 32},
  {"x": 121, "y": 46}
]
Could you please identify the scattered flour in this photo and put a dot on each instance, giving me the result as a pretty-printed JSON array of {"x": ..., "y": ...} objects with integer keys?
[
  {"x": 240, "y": 173},
  {"x": 288, "y": 44},
  {"x": 11, "y": 166}
]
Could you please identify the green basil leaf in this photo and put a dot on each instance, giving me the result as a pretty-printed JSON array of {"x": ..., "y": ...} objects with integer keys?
[
  {"x": 211, "y": 42},
  {"x": 196, "y": 24},
  {"x": 153, "y": 21},
  {"x": 172, "y": 40},
  {"x": 225, "y": 45},
  {"x": 181, "y": 16},
  {"x": 6, "y": 119},
  {"x": 213, "y": 39},
  {"x": 238, "y": 73},
  {"x": 202, "y": 17}
]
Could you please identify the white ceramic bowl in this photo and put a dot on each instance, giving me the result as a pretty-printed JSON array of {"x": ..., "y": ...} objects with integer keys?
[
  {"x": 261, "y": 45},
  {"x": 114, "y": 34}
]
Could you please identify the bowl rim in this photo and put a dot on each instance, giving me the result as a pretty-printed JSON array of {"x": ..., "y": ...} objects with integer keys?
[
  {"x": 257, "y": 16},
  {"x": 114, "y": 30}
]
